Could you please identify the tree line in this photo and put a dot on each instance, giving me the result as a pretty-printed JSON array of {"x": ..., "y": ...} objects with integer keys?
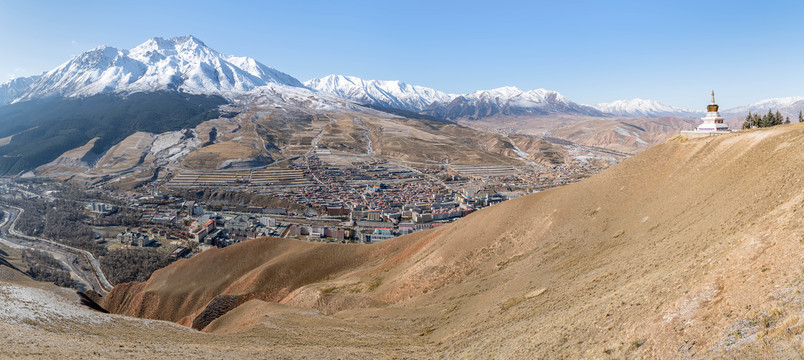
[
  {"x": 43, "y": 267},
  {"x": 767, "y": 120},
  {"x": 134, "y": 264},
  {"x": 60, "y": 221}
]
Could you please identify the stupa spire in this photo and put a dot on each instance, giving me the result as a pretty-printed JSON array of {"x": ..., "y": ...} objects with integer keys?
[{"x": 712, "y": 107}]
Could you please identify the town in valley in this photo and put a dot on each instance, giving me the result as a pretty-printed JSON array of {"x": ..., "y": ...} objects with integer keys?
[{"x": 321, "y": 197}]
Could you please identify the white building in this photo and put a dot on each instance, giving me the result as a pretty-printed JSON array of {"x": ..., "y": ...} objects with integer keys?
[
  {"x": 268, "y": 221},
  {"x": 712, "y": 122},
  {"x": 101, "y": 208}
]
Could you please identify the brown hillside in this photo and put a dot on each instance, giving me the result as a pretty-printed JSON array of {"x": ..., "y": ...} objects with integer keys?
[
  {"x": 42, "y": 321},
  {"x": 691, "y": 248},
  {"x": 628, "y": 135},
  {"x": 265, "y": 269}
]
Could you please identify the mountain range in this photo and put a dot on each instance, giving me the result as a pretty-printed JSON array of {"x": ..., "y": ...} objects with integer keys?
[
  {"x": 506, "y": 101},
  {"x": 162, "y": 71},
  {"x": 186, "y": 64},
  {"x": 478, "y": 104},
  {"x": 644, "y": 108}
]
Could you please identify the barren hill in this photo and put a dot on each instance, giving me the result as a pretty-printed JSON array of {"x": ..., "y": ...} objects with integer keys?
[
  {"x": 623, "y": 134},
  {"x": 691, "y": 248},
  {"x": 39, "y": 320},
  {"x": 628, "y": 135}
]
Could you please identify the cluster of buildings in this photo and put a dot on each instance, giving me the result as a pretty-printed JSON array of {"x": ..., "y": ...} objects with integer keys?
[
  {"x": 223, "y": 230},
  {"x": 135, "y": 238},
  {"x": 346, "y": 186},
  {"x": 191, "y": 224},
  {"x": 343, "y": 212},
  {"x": 319, "y": 232},
  {"x": 374, "y": 199},
  {"x": 361, "y": 202},
  {"x": 375, "y": 170},
  {"x": 440, "y": 207},
  {"x": 244, "y": 227},
  {"x": 333, "y": 196}
]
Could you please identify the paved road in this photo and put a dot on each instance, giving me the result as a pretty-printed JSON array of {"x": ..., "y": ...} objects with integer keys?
[{"x": 92, "y": 277}]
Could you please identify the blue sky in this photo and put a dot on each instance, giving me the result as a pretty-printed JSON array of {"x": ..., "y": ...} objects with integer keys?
[{"x": 590, "y": 51}]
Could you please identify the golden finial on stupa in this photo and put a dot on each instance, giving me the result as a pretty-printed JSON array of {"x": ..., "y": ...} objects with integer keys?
[{"x": 713, "y": 106}]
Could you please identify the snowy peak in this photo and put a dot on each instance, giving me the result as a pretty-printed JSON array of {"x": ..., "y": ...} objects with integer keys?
[
  {"x": 12, "y": 89},
  {"x": 643, "y": 108},
  {"x": 508, "y": 100},
  {"x": 182, "y": 63},
  {"x": 392, "y": 94},
  {"x": 187, "y": 48}
]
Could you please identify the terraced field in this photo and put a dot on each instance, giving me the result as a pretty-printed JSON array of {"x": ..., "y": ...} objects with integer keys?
[
  {"x": 238, "y": 177},
  {"x": 485, "y": 171}
]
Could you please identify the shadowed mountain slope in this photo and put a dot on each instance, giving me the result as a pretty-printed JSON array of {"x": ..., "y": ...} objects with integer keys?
[
  {"x": 690, "y": 247},
  {"x": 40, "y": 131}
]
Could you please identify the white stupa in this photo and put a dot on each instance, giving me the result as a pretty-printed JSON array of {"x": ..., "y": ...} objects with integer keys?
[{"x": 712, "y": 122}]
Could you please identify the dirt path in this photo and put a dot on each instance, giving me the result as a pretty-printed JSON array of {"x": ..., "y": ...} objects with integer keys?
[{"x": 370, "y": 148}]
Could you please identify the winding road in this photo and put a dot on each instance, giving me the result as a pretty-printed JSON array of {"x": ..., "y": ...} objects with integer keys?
[{"x": 92, "y": 277}]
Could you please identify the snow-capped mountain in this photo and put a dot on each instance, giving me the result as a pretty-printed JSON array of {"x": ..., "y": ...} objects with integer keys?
[
  {"x": 788, "y": 106},
  {"x": 392, "y": 94},
  {"x": 180, "y": 63},
  {"x": 12, "y": 89},
  {"x": 643, "y": 108},
  {"x": 508, "y": 101}
]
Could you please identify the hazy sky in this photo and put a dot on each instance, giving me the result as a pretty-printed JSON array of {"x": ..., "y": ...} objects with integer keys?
[{"x": 590, "y": 51}]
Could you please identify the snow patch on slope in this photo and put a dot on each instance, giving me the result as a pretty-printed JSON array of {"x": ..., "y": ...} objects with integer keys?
[
  {"x": 629, "y": 134},
  {"x": 275, "y": 96},
  {"x": 173, "y": 145},
  {"x": 24, "y": 305}
]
